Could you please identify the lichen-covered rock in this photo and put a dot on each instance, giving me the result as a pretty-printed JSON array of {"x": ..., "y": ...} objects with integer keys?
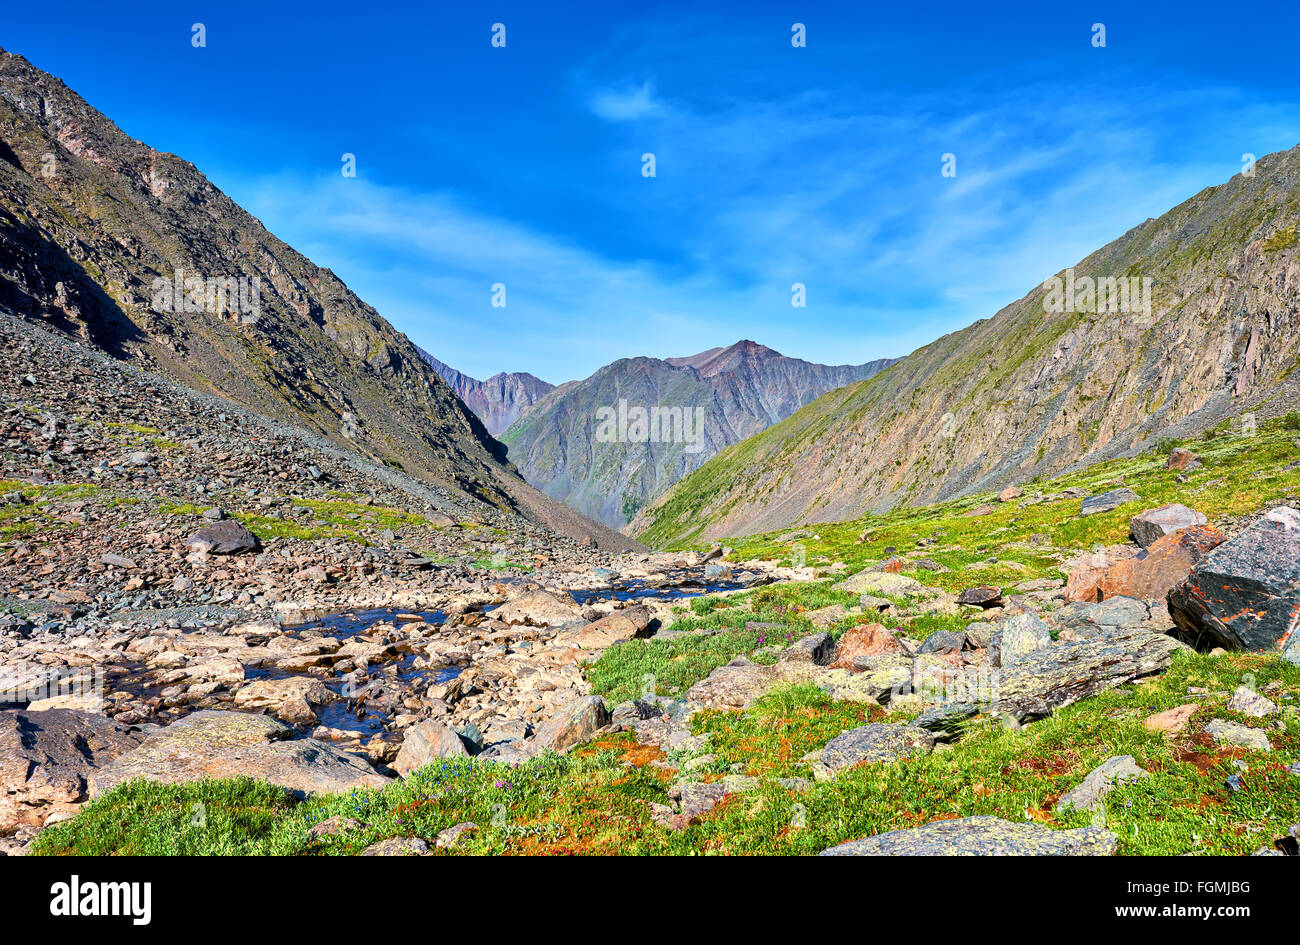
[
  {"x": 1245, "y": 594},
  {"x": 981, "y": 836},
  {"x": 1017, "y": 637},
  {"x": 1063, "y": 673},
  {"x": 579, "y": 721},
  {"x": 1105, "y": 501},
  {"x": 1100, "y": 781},
  {"x": 1238, "y": 735},
  {"x": 879, "y": 742},
  {"x": 741, "y": 682}
]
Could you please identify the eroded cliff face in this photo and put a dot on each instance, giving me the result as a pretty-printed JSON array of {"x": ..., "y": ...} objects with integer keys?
[
  {"x": 1032, "y": 390},
  {"x": 717, "y": 398}
]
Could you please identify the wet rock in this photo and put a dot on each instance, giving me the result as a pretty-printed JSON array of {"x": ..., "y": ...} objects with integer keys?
[
  {"x": 1105, "y": 501},
  {"x": 1146, "y": 527},
  {"x": 1244, "y": 594},
  {"x": 224, "y": 538},
  {"x": 982, "y": 836},
  {"x": 47, "y": 759},
  {"x": 219, "y": 744},
  {"x": 1100, "y": 781},
  {"x": 425, "y": 743}
]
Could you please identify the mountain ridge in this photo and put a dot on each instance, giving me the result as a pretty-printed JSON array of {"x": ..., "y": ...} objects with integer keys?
[
  {"x": 498, "y": 401},
  {"x": 1029, "y": 391}
]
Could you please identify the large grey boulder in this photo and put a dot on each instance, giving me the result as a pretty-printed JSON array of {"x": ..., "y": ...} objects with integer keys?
[
  {"x": 1105, "y": 501},
  {"x": 1063, "y": 673},
  {"x": 1146, "y": 527},
  {"x": 1245, "y": 594},
  {"x": 878, "y": 742},
  {"x": 47, "y": 759},
  {"x": 981, "y": 836},
  {"x": 539, "y": 609},
  {"x": 217, "y": 744},
  {"x": 577, "y": 723},
  {"x": 224, "y": 538}
]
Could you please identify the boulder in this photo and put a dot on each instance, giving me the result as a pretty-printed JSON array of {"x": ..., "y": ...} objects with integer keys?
[
  {"x": 884, "y": 583},
  {"x": 425, "y": 743},
  {"x": 622, "y": 625},
  {"x": 217, "y": 744},
  {"x": 1077, "y": 620},
  {"x": 947, "y": 720},
  {"x": 539, "y": 609},
  {"x": 1105, "y": 501},
  {"x": 47, "y": 759},
  {"x": 1238, "y": 735},
  {"x": 1146, "y": 527},
  {"x": 981, "y": 836},
  {"x": 274, "y": 694},
  {"x": 1103, "y": 779},
  {"x": 1171, "y": 721},
  {"x": 984, "y": 597},
  {"x": 1009, "y": 493},
  {"x": 1182, "y": 459},
  {"x": 944, "y": 641},
  {"x": 864, "y": 640},
  {"x": 577, "y": 723},
  {"x": 1152, "y": 574},
  {"x": 1245, "y": 593},
  {"x": 877, "y": 742},
  {"x": 740, "y": 682},
  {"x": 397, "y": 846},
  {"x": 815, "y": 648},
  {"x": 1249, "y": 702},
  {"x": 1065, "y": 672},
  {"x": 224, "y": 538},
  {"x": 1017, "y": 637}
]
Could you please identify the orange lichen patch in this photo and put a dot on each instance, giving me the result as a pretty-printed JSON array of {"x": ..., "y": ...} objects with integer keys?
[
  {"x": 1057, "y": 764},
  {"x": 629, "y": 750}
]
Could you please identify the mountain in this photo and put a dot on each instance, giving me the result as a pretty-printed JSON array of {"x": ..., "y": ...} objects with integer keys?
[
  {"x": 1047, "y": 384},
  {"x": 694, "y": 407},
  {"x": 500, "y": 400},
  {"x": 135, "y": 252}
]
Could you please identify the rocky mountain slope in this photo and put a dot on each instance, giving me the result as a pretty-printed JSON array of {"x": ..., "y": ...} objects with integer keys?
[
  {"x": 1032, "y": 391},
  {"x": 135, "y": 252},
  {"x": 500, "y": 400},
  {"x": 717, "y": 397}
]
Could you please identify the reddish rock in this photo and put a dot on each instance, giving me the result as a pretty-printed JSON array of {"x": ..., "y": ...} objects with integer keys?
[
  {"x": 871, "y": 639},
  {"x": 1171, "y": 721},
  {"x": 1009, "y": 493},
  {"x": 1182, "y": 459},
  {"x": 1148, "y": 577}
]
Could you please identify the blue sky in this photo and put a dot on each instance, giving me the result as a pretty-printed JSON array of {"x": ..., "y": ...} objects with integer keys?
[{"x": 522, "y": 165}]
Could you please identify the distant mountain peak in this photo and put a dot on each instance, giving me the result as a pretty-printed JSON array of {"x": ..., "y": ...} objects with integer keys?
[{"x": 500, "y": 400}]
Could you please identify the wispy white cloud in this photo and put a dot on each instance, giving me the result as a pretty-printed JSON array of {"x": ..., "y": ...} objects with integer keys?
[{"x": 628, "y": 103}]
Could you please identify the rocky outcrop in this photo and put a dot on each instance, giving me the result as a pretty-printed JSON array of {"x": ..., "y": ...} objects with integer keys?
[
  {"x": 1149, "y": 575},
  {"x": 981, "y": 836},
  {"x": 1147, "y": 527},
  {"x": 47, "y": 760},
  {"x": 217, "y": 744},
  {"x": 1245, "y": 594}
]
